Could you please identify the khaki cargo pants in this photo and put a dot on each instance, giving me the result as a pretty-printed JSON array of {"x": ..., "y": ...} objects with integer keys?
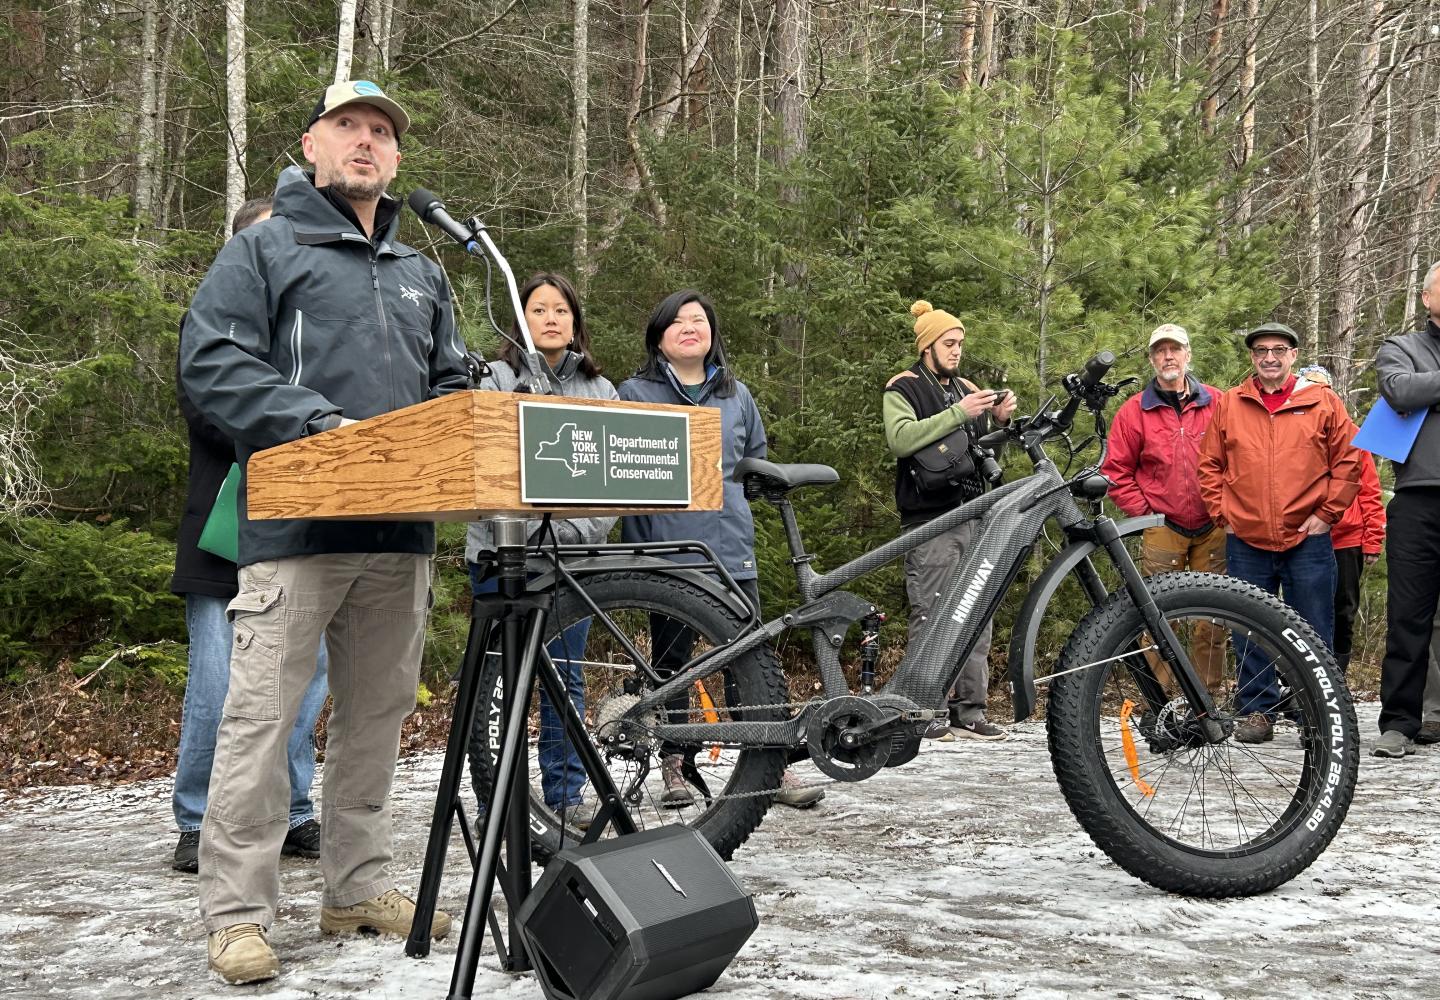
[
  {"x": 371, "y": 609},
  {"x": 1166, "y": 551}
]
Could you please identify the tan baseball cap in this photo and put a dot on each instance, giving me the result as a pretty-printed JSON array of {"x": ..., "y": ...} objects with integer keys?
[
  {"x": 1169, "y": 331},
  {"x": 337, "y": 95}
]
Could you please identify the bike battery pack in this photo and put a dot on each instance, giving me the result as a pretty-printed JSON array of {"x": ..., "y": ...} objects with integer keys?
[{"x": 654, "y": 915}]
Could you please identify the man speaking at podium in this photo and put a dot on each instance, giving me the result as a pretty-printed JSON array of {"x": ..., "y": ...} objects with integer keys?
[{"x": 311, "y": 320}]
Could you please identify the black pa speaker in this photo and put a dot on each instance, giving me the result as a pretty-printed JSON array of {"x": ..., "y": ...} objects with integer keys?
[{"x": 654, "y": 915}]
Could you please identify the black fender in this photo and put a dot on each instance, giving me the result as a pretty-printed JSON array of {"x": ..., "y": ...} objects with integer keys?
[
  {"x": 733, "y": 601},
  {"x": 1032, "y": 612}
]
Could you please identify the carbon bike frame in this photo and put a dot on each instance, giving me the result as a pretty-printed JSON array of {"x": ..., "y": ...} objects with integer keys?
[{"x": 1012, "y": 519}]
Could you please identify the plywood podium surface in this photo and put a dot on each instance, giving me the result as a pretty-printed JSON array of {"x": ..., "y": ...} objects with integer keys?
[{"x": 456, "y": 458}]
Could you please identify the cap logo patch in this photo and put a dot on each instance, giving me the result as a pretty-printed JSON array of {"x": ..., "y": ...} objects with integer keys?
[{"x": 366, "y": 87}]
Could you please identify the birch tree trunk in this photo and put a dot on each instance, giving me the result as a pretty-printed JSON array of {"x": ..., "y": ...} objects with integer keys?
[
  {"x": 579, "y": 138},
  {"x": 236, "y": 101},
  {"x": 1350, "y": 227},
  {"x": 1177, "y": 27},
  {"x": 345, "y": 41},
  {"x": 146, "y": 130}
]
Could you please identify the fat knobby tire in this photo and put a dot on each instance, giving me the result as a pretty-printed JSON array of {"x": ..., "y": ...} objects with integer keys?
[
  {"x": 1100, "y": 807},
  {"x": 758, "y": 681}
]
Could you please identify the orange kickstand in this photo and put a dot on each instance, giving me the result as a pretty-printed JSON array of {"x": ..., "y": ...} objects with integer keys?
[
  {"x": 707, "y": 705},
  {"x": 1128, "y": 742}
]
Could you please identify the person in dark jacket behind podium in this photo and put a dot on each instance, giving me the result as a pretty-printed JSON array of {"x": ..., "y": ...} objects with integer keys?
[
  {"x": 1409, "y": 378},
  {"x": 314, "y": 319},
  {"x": 685, "y": 364},
  {"x": 921, "y": 405},
  {"x": 208, "y": 583}
]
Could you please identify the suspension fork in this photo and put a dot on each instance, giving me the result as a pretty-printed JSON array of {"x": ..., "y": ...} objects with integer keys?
[{"x": 1167, "y": 643}]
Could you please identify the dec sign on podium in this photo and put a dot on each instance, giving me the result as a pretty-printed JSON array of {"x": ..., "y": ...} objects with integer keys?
[{"x": 476, "y": 454}]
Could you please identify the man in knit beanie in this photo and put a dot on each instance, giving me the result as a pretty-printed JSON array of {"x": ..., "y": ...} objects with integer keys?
[{"x": 923, "y": 404}]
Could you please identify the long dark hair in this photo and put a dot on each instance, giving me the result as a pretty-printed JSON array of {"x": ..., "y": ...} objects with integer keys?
[
  {"x": 663, "y": 316},
  {"x": 511, "y": 355}
]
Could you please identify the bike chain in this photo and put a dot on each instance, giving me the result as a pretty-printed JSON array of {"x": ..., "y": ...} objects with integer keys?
[{"x": 722, "y": 797}]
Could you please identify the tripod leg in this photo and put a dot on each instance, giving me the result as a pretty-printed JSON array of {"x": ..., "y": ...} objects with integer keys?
[
  {"x": 447, "y": 797},
  {"x": 510, "y": 771}
]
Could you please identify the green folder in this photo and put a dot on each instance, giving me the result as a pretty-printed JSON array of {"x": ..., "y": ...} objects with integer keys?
[{"x": 221, "y": 534}]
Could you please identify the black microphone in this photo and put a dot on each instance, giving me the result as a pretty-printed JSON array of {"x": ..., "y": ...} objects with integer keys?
[{"x": 432, "y": 211}]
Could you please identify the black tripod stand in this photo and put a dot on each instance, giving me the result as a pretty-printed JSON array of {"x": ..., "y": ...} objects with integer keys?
[{"x": 520, "y": 619}]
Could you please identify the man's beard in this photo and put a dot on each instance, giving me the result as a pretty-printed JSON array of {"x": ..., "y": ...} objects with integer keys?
[
  {"x": 941, "y": 370},
  {"x": 356, "y": 189},
  {"x": 1171, "y": 383}
]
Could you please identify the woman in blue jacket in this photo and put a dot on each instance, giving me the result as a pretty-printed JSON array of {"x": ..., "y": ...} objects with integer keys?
[{"x": 685, "y": 363}]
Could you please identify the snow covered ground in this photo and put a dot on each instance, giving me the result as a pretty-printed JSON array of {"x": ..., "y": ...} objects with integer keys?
[{"x": 961, "y": 874}]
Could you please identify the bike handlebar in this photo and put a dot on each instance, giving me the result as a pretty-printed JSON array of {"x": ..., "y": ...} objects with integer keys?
[{"x": 1083, "y": 384}]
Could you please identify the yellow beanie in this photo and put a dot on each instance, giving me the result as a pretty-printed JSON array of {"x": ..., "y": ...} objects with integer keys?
[{"x": 931, "y": 324}]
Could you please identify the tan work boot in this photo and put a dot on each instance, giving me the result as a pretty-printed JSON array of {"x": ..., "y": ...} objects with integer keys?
[
  {"x": 388, "y": 913},
  {"x": 240, "y": 954}
]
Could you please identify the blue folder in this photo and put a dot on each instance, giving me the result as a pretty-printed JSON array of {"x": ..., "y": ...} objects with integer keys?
[{"x": 1388, "y": 433}]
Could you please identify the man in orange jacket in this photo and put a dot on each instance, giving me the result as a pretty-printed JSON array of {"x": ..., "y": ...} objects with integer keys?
[{"x": 1277, "y": 470}]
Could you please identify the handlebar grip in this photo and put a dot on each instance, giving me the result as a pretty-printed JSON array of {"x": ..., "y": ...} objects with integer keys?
[{"x": 1096, "y": 369}]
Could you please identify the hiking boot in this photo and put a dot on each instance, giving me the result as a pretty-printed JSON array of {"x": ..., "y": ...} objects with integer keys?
[
  {"x": 938, "y": 730},
  {"x": 580, "y": 813},
  {"x": 1255, "y": 728},
  {"x": 240, "y": 954},
  {"x": 1429, "y": 732},
  {"x": 389, "y": 913},
  {"x": 303, "y": 841},
  {"x": 187, "y": 852},
  {"x": 1393, "y": 743},
  {"x": 977, "y": 729},
  {"x": 677, "y": 794},
  {"x": 796, "y": 794}
]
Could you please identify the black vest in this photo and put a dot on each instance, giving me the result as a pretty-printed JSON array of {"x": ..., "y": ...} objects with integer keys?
[{"x": 926, "y": 399}]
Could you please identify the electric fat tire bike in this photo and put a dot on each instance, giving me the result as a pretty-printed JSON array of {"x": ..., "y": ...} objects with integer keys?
[{"x": 690, "y": 712}]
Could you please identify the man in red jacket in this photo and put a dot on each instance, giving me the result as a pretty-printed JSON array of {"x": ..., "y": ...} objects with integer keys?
[
  {"x": 1152, "y": 463},
  {"x": 1358, "y": 539},
  {"x": 1277, "y": 471}
]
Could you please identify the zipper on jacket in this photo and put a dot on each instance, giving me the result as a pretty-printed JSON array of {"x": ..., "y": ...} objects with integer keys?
[
  {"x": 297, "y": 342},
  {"x": 384, "y": 326}
]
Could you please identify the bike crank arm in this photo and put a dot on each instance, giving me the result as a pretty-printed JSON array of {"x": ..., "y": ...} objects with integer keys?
[{"x": 1167, "y": 644}]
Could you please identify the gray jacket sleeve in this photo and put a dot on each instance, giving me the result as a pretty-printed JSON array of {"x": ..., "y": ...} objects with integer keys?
[
  {"x": 1404, "y": 388},
  {"x": 222, "y": 359},
  {"x": 756, "y": 444}
]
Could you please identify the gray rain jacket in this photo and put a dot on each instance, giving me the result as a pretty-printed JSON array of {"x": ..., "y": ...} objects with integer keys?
[
  {"x": 729, "y": 532},
  {"x": 1409, "y": 378},
  {"x": 566, "y": 380},
  {"x": 302, "y": 320}
]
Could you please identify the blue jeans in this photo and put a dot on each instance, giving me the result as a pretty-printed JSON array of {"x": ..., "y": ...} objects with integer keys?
[
  {"x": 562, "y": 775},
  {"x": 1304, "y": 577},
  {"x": 205, "y": 689}
]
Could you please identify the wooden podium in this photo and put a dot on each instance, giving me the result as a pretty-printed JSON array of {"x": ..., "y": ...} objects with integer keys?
[{"x": 456, "y": 458}]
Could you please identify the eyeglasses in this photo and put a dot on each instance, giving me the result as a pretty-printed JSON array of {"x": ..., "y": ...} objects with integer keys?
[{"x": 1274, "y": 352}]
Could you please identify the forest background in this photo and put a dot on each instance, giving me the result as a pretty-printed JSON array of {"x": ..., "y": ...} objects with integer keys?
[{"x": 1062, "y": 175}]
